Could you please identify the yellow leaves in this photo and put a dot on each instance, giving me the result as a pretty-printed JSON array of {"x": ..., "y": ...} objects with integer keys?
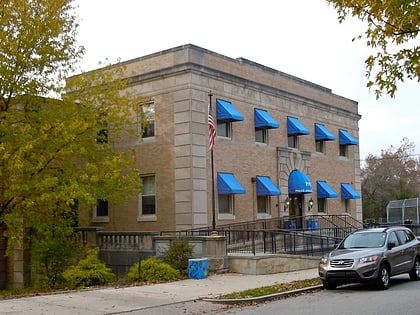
[
  {"x": 390, "y": 24},
  {"x": 16, "y": 163},
  {"x": 37, "y": 45}
]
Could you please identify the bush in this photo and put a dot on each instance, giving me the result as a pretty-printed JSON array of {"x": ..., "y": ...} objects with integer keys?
[
  {"x": 49, "y": 260},
  {"x": 152, "y": 270},
  {"x": 89, "y": 271},
  {"x": 177, "y": 255}
]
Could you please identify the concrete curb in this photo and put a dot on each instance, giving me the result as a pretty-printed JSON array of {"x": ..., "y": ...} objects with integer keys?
[{"x": 264, "y": 297}]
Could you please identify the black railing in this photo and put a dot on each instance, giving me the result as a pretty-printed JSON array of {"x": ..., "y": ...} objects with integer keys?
[
  {"x": 308, "y": 235},
  {"x": 278, "y": 242}
]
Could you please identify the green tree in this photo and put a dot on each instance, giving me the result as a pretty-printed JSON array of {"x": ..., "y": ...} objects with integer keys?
[
  {"x": 392, "y": 29},
  {"x": 60, "y": 148},
  {"x": 393, "y": 175}
]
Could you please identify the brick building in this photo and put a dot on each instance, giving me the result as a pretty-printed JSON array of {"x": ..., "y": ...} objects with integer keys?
[{"x": 284, "y": 146}]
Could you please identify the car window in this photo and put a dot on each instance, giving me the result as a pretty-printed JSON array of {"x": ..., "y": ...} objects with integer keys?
[
  {"x": 364, "y": 240},
  {"x": 393, "y": 239},
  {"x": 410, "y": 235},
  {"x": 403, "y": 237}
]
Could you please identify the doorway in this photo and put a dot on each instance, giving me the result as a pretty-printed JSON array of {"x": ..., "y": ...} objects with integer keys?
[{"x": 296, "y": 209}]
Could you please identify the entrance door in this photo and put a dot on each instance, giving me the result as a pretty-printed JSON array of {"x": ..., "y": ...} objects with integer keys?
[{"x": 296, "y": 209}]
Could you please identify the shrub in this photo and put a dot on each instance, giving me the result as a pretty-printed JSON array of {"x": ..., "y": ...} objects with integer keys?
[
  {"x": 152, "y": 270},
  {"x": 177, "y": 255},
  {"x": 89, "y": 271},
  {"x": 49, "y": 260}
]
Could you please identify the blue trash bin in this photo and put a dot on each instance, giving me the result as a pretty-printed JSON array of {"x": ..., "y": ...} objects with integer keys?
[
  {"x": 198, "y": 268},
  {"x": 292, "y": 224},
  {"x": 312, "y": 224}
]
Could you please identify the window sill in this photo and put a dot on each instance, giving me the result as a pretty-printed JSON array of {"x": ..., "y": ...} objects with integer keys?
[
  {"x": 261, "y": 144},
  {"x": 226, "y": 216},
  {"x": 263, "y": 216},
  {"x": 147, "y": 139},
  {"x": 100, "y": 219},
  {"x": 224, "y": 138},
  {"x": 147, "y": 218}
]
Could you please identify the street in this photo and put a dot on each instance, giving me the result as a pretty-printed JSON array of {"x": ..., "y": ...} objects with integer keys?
[{"x": 402, "y": 297}]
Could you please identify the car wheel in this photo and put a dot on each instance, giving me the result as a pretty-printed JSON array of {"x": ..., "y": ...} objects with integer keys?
[
  {"x": 383, "y": 277},
  {"x": 329, "y": 285},
  {"x": 415, "y": 272}
]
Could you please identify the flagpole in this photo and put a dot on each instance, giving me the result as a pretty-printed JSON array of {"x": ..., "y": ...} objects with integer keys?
[{"x": 213, "y": 203}]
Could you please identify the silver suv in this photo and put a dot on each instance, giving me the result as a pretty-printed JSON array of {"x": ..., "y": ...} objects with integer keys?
[{"x": 372, "y": 255}]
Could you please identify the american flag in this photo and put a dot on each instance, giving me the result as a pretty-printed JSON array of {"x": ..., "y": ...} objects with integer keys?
[{"x": 212, "y": 130}]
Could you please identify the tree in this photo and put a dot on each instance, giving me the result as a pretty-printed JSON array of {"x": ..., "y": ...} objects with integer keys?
[
  {"x": 393, "y": 175},
  {"x": 392, "y": 29},
  {"x": 58, "y": 154}
]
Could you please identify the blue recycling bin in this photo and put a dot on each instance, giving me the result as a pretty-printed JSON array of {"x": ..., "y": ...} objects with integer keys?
[
  {"x": 290, "y": 224},
  {"x": 312, "y": 224},
  {"x": 198, "y": 268}
]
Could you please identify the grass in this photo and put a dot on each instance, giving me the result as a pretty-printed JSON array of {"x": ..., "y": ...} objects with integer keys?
[
  {"x": 24, "y": 292},
  {"x": 272, "y": 289}
]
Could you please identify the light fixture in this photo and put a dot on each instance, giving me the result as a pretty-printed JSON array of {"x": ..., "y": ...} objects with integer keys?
[
  {"x": 286, "y": 203},
  {"x": 311, "y": 203}
]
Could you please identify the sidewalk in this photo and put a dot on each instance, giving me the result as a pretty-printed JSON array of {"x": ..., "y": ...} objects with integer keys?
[{"x": 118, "y": 300}]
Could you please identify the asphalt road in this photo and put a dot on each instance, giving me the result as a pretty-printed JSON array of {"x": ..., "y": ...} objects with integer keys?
[{"x": 401, "y": 298}]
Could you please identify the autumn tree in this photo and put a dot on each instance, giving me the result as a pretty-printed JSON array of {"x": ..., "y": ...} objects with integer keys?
[
  {"x": 59, "y": 143},
  {"x": 393, "y": 175},
  {"x": 392, "y": 30}
]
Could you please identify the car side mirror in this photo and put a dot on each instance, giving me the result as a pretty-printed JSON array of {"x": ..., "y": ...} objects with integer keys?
[{"x": 391, "y": 245}]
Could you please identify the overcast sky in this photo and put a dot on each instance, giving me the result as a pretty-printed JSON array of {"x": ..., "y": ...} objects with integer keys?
[{"x": 299, "y": 37}]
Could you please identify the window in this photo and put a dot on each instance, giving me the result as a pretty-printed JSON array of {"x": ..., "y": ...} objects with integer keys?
[
  {"x": 225, "y": 207},
  {"x": 226, "y": 113},
  {"x": 393, "y": 239},
  {"x": 100, "y": 211},
  {"x": 224, "y": 128},
  {"x": 403, "y": 237},
  {"x": 261, "y": 135},
  {"x": 345, "y": 139},
  {"x": 322, "y": 205},
  {"x": 262, "y": 122},
  {"x": 147, "y": 198},
  {"x": 102, "y": 208},
  {"x": 146, "y": 119},
  {"x": 410, "y": 235},
  {"x": 343, "y": 150},
  {"x": 345, "y": 205},
  {"x": 294, "y": 129},
  {"x": 292, "y": 141},
  {"x": 320, "y": 146},
  {"x": 263, "y": 204}
]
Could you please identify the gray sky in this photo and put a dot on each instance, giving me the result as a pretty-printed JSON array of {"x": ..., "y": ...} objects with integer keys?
[{"x": 299, "y": 37}]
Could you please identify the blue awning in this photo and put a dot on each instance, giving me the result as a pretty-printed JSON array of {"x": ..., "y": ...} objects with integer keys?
[
  {"x": 295, "y": 127},
  {"x": 346, "y": 138},
  {"x": 324, "y": 190},
  {"x": 347, "y": 192},
  {"x": 322, "y": 133},
  {"x": 262, "y": 119},
  {"x": 265, "y": 187},
  {"x": 227, "y": 184},
  {"x": 226, "y": 111},
  {"x": 299, "y": 183}
]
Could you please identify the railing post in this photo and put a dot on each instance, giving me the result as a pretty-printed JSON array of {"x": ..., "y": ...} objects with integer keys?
[{"x": 253, "y": 242}]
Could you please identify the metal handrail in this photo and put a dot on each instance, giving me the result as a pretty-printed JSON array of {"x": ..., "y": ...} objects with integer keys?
[{"x": 263, "y": 236}]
